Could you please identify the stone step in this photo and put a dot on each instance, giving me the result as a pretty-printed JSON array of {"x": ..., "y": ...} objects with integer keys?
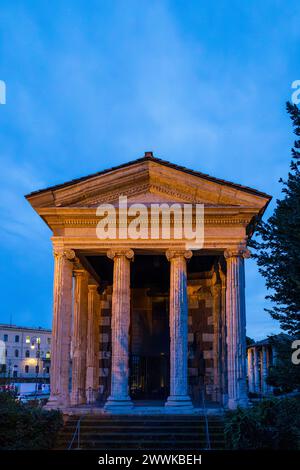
[
  {"x": 167, "y": 417},
  {"x": 147, "y": 445},
  {"x": 143, "y": 432},
  {"x": 136, "y": 432},
  {"x": 137, "y": 436},
  {"x": 156, "y": 421},
  {"x": 157, "y": 424}
]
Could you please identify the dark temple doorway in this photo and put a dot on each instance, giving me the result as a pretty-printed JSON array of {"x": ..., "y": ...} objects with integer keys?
[{"x": 149, "y": 333}]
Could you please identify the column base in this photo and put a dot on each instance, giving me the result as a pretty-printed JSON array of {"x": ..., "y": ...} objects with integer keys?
[
  {"x": 179, "y": 404},
  {"x": 118, "y": 405},
  {"x": 57, "y": 402}
]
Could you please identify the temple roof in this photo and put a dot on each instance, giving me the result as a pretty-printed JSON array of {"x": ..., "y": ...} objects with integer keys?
[{"x": 148, "y": 156}]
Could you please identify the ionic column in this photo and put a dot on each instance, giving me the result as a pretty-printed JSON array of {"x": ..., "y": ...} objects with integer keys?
[
  {"x": 178, "y": 398},
  {"x": 217, "y": 342},
  {"x": 78, "y": 395},
  {"x": 269, "y": 364},
  {"x": 264, "y": 370},
  {"x": 224, "y": 375},
  {"x": 61, "y": 328},
  {"x": 119, "y": 399},
  {"x": 256, "y": 371},
  {"x": 92, "y": 362},
  {"x": 236, "y": 328},
  {"x": 250, "y": 371}
]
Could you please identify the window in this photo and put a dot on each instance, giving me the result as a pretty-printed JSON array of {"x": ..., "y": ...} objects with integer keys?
[
  {"x": 16, "y": 353},
  {"x": 37, "y": 369},
  {"x": 5, "y": 337},
  {"x": 49, "y": 340},
  {"x": 26, "y": 369},
  {"x": 48, "y": 355},
  {"x": 17, "y": 338},
  {"x": 15, "y": 373},
  {"x": 27, "y": 353},
  {"x": 47, "y": 370},
  {"x": 28, "y": 339},
  {"x": 37, "y": 354}
]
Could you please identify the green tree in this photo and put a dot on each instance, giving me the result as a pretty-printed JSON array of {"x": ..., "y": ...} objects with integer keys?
[
  {"x": 283, "y": 374},
  {"x": 278, "y": 244}
]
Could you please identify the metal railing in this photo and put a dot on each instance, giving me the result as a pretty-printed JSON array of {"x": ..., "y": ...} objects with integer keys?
[
  {"x": 208, "y": 446},
  {"x": 76, "y": 434}
]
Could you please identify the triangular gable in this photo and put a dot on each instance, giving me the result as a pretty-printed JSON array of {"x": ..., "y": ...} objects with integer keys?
[{"x": 148, "y": 180}]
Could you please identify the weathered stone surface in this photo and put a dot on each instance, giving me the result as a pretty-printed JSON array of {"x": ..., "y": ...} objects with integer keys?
[
  {"x": 250, "y": 371},
  {"x": 236, "y": 328},
  {"x": 61, "y": 329},
  {"x": 92, "y": 356},
  {"x": 70, "y": 211},
  {"x": 119, "y": 397},
  {"x": 78, "y": 395},
  {"x": 178, "y": 330}
]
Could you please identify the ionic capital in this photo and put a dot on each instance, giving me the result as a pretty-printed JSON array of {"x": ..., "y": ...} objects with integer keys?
[
  {"x": 118, "y": 252},
  {"x": 235, "y": 253},
  {"x": 171, "y": 254},
  {"x": 63, "y": 252}
]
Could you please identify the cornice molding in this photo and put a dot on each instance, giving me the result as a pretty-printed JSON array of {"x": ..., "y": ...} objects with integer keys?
[{"x": 93, "y": 221}]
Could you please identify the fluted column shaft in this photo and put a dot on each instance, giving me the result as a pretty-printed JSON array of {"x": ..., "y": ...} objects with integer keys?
[
  {"x": 256, "y": 370},
  {"x": 250, "y": 371},
  {"x": 236, "y": 328},
  {"x": 217, "y": 343},
  {"x": 61, "y": 328},
  {"x": 92, "y": 362},
  {"x": 224, "y": 376},
  {"x": 178, "y": 329},
  {"x": 78, "y": 395},
  {"x": 119, "y": 396},
  {"x": 264, "y": 370}
]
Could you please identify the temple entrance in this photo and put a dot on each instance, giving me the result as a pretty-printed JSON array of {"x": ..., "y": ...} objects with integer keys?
[
  {"x": 149, "y": 361},
  {"x": 150, "y": 358}
]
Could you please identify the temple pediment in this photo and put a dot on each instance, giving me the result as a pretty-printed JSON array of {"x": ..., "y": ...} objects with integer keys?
[{"x": 148, "y": 180}]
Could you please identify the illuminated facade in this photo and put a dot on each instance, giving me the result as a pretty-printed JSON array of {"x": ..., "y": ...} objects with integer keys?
[{"x": 148, "y": 319}]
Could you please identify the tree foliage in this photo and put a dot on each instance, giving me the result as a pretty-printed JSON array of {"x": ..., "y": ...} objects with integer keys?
[
  {"x": 24, "y": 427},
  {"x": 283, "y": 374},
  {"x": 269, "y": 424},
  {"x": 278, "y": 244}
]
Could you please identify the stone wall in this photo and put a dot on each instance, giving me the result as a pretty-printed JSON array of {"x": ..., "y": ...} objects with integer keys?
[
  {"x": 201, "y": 335},
  {"x": 105, "y": 343}
]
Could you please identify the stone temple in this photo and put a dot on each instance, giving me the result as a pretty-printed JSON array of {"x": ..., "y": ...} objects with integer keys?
[{"x": 147, "y": 321}]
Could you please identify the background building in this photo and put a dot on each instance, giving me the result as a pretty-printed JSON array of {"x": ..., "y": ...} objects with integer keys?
[{"x": 25, "y": 356}]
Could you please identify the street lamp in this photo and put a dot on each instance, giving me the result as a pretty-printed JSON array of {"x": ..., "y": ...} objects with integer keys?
[{"x": 36, "y": 341}]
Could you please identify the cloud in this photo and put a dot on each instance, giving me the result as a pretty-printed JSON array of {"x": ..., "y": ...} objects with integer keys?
[
  {"x": 19, "y": 224},
  {"x": 97, "y": 83}
]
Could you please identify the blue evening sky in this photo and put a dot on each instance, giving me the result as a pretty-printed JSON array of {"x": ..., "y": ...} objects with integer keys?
[{"x": 92, "y": 84}]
